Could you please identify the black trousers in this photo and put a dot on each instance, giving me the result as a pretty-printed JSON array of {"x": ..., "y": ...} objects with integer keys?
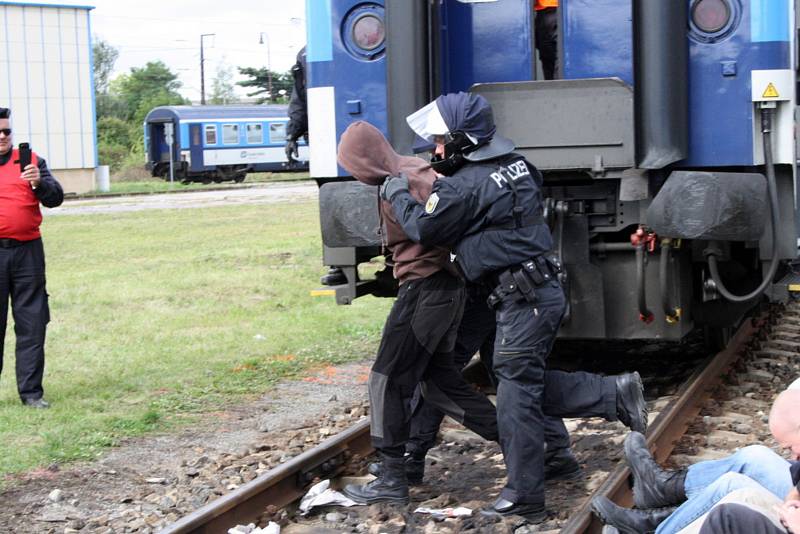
[
  {"x": 732, "y": 518},
  {"x": 546, "y": 39},
  {"x": 417, "y": 347},
  {"x": 22, "y": 279},
  {"x": 525, "y": 335},
  {"x": 565, "y": 395}
]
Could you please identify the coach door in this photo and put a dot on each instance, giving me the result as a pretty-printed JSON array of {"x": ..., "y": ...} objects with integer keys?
[{"x": 196, "y": 147}]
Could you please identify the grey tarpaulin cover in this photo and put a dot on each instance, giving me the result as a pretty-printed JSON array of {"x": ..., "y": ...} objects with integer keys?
[
  {"x": 349, "y": 215},
  {"x": 710, "y": 205}
]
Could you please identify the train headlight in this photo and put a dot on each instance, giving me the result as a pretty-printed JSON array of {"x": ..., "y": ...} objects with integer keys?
[
  {"x": 711, "y": 16},
  {"x": 368, "y": 32},
  {"x": 364, "y": 31}
]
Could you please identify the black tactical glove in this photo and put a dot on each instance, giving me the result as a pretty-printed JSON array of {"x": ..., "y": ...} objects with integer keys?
[
  {"x": 392, "y": 185},
  {"x": 292, "y": 152}
]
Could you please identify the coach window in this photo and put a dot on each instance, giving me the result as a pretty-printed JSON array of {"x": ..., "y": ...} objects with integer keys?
[
  {"x": 255, "y": 134},
  {"x": 230, "y": 134},
  {"x": 277, "y": 133},
  {"x": 211, "y": 134}
]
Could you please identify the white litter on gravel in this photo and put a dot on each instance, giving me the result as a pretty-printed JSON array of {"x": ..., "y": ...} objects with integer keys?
[{"x": 272, "y": 528}]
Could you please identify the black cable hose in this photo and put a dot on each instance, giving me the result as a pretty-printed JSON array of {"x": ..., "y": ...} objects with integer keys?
[
  {"x": 663, "y": 278},
  {"x": 641, "y": 283},
  {"x": 772, "y": 187}
]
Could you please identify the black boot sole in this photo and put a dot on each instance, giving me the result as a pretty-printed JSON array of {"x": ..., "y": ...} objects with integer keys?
[
  {"x": 376, "y": 500},
  {"x": 635, "y": 389},
  {"x": 533, "y": 517},
  {"x": 564, "y": 477},
  {"x": 598, "y": 507}
]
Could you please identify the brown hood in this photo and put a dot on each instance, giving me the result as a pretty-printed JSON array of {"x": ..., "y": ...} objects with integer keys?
[{"x": 366, "y": 154}]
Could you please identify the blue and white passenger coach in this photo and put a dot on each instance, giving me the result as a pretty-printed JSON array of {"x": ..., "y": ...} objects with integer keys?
[
  {"x": 217, "y": 143},
  {"x": 668, "y": 147}
]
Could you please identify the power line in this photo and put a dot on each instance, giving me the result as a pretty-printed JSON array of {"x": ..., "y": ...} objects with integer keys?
[{"x": 185, "y": 19}]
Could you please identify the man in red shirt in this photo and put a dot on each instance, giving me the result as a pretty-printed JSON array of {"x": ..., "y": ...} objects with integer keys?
[{"x": 22, "y": 276}]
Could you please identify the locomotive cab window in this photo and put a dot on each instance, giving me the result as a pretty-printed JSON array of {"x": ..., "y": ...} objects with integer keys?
[
  {"x": 211, "y": 134},
  {"x": 255, "y": 134},
  {"x": 230, "y": 134}
]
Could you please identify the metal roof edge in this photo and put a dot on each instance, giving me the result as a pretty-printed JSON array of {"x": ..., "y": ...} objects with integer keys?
[{"x": 39, "y": 4}]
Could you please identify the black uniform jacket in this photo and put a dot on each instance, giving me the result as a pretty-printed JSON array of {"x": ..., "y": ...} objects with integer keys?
[
  {"x": 472, "y": 212},
  {"x": 298, "y": 107}
]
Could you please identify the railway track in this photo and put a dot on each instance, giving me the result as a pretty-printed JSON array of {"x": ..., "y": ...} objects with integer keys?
[{"x": 286, "y": 483}]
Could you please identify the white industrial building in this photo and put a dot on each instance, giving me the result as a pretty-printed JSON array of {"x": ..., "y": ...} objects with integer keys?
[{"x": 46, "y": 78}]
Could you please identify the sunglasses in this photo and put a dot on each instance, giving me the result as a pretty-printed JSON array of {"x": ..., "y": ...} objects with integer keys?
[{"x": 5, "y": 131}]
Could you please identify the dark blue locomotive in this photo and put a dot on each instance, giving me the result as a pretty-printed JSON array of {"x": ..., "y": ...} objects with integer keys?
[
  {"x": 668, "y": 147},
  {"x": 217, "y": 143}
]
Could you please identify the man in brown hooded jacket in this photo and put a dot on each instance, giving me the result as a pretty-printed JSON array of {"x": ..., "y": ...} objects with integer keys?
[{"x": 419, "y": 337}]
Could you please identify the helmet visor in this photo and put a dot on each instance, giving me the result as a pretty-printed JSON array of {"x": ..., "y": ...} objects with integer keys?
[{"x": 427, "y": 122}]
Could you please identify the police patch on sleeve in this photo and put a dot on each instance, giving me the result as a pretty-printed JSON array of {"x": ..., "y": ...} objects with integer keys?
[{"x": 433, "y": 201}]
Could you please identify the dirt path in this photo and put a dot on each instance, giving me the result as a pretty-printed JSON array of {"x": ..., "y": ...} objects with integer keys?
[
  {"x": 149, "y": 482},
  {"x": 260, "y": 194}
]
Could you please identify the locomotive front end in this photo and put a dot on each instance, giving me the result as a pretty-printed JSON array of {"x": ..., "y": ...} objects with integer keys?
[{"x": 661, "y": 190}]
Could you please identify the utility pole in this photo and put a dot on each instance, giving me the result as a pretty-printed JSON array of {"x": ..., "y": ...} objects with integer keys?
[
  {"x": 202, "y": 69},
  {"x": 269, "y": 64}
]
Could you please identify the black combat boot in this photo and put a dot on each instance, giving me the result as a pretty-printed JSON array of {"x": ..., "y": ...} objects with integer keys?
[
  {"x": 391, "y": 486},
  {"x": 335, "y": 277},
  {"x": 653, "y": 487},
  {"x": 415, "y": 468},
  {"x": 535, "y": 513},
  {"x": 631, "y": 406},
  {"x": 562, "y": 465},
  {"x": 629, "y": 520}
]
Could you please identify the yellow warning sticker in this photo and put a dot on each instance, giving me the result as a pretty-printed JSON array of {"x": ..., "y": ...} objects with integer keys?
[{"x": 770, "y": 92}]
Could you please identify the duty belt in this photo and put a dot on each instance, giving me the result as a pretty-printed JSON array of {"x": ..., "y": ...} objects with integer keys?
[{"x": 523, "y": 279}]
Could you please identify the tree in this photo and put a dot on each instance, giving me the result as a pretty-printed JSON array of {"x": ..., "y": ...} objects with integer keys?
[
  {"x": 106, "y": 104},
  {"x": 105, "y": 56},
  {"x": 153, "y": 84},
  {"x": 113, "y": 141},
  {"x": 260, "y": 79},
  {"x": 222, "y": 90},
  {"x": 123, "y": 107}
]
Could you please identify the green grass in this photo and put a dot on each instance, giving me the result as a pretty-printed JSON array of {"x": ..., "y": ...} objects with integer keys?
[
  {"x": 162, "y": 315},
  {"x": 156, "y": 185}
]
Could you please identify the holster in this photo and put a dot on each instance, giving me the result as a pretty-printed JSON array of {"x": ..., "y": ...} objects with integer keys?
[{"x": 524, "y": 279}]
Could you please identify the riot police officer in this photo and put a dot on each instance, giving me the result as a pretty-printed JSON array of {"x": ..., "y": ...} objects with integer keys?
[
  {"x": 488, "y": 208},
  {"x": 297, "y": 126}
]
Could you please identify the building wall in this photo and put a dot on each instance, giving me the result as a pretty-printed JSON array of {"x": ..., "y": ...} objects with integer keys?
[{"x": 46, "y": 80}]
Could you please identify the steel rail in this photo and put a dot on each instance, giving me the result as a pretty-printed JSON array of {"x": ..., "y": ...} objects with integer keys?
[
  {"x": 279, "y": 486},
  {"x": 669, "y": 426},
  {"x": 288, "y": 482}
]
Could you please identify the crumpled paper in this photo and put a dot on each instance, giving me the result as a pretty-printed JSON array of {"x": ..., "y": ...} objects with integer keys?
[
  {"x": 272, "y": 528},
  {"x": 459, "y": 511},
  {"x": 321, "y": 494}
]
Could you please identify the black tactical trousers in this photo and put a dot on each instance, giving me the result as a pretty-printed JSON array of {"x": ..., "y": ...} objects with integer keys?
[
  {"x": 566, "y": 394},
  {"x": 22, "y": 279},
  {"x": 546, "y": 38},
  {"x": 417, "y": 346},
  {"x": 733, "y": 518},
  {"x": 525, "y": 335}
]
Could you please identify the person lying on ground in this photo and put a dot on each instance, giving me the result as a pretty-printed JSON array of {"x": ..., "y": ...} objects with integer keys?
[{"x": 699, "y": 487}]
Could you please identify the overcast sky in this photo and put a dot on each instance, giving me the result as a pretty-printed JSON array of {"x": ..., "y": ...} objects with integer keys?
[{"x": 169, "y": 30}]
